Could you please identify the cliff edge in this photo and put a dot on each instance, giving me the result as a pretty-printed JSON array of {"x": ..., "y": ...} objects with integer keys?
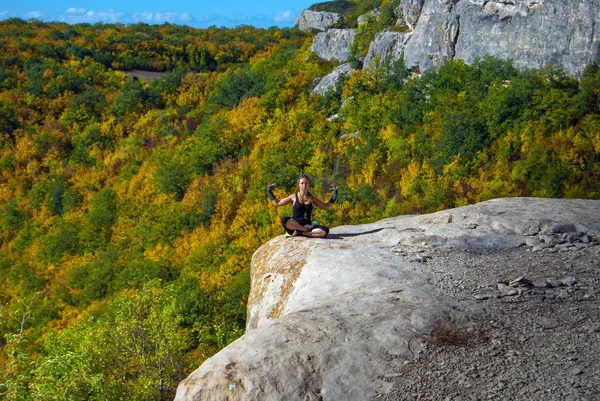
[{"x": 495, "y": 298}]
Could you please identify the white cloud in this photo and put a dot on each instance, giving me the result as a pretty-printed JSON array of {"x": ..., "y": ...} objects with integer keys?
[
  {"x": 238, "y": 18},
  {"x": 5, "y": 15},
  {"x": 108, "y": 16},
  {"x": 75, "y": 15},
  {"x": 204, "y": 21},
  {"x": 166, "y": 17},
  {"x": 79, "y": 15},
  {"x": 281, "y": 18},
  {"x": 75, "y": 11},
  {"x": 147, "y": 17},
  {"x": 159, "y": 17},
  {"x": 286, "y": 16},
  {"x": 34, "y": 14}
]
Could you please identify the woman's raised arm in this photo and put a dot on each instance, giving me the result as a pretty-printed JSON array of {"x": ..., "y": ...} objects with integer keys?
[
  {"x": 332, "y": 200},
  {"x": 273, "y": 199}
]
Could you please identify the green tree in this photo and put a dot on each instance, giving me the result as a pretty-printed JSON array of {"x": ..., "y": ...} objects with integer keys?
[
  {"x": 8, "y": 118},
  {"x": 131, "y": 98},
  {"x": 102, "y": 215},
  {"x": 62, "y": 238},
  {"x": 128, "y": 348}
]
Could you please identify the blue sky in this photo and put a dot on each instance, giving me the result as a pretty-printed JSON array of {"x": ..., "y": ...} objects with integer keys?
[{"x": 199, "y": 13}]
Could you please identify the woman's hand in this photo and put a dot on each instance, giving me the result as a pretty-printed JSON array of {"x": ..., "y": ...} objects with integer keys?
[
  {"x": 270, "y": 192},
  {"x": 334, "y": 196}
]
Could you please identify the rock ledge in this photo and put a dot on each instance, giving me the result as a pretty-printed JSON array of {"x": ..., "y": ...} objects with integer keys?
[{"x": 390, "y": 310}]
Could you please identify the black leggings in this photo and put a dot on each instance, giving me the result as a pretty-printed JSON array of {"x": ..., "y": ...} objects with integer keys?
[{"x": 285, "y": 219}]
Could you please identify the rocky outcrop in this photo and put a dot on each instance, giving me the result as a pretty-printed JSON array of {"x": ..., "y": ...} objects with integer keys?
[
  {"x": 319, "y": 20},
  {"x": 414, "y": 305},
  {"x": 363, "y": 19},
  {"x": 333, "y": 44},
  {"x": 532, "y": 33},
  {"x": 433, "y": 41},
  {"x": 387, "y": 46},
  {"x": 408, "y": 12},
  {"x": 329, "y": 82}
]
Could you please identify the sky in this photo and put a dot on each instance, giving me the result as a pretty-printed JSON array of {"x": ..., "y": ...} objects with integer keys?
[{"x": 198, "y": 13}]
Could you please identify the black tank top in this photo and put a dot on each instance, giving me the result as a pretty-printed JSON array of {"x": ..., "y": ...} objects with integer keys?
[{"x": 302, "y": 212}]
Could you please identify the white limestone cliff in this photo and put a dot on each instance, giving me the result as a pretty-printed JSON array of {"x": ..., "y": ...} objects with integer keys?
[{"x": 531, "y": 33}]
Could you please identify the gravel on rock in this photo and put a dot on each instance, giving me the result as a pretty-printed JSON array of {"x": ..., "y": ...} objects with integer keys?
[{"x": 537, "y": 339}]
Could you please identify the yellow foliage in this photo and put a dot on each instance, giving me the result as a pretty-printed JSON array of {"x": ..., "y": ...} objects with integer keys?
[
  {"x": 408, "y": 177},
  {"x": 248, "y": 115},
  {"x": 6, "y": 193},
  {"x": 367, "y": 173},
  {"x": 596, "y": 142},
  {"x": 56, "y": 106},
  {"x": 160, "y": 252},
  {"x": 388, "y": 132},
  {"x": 208, "y": 281},
  {"x": 87, "y": 179},
  {"x": 359, "y": 81},
  {"x": 192, "y": 89},
  {"x": 265, "y": 54},
  {"x": 24, "y": 149},
  {"x": 140, "y": 189},
  {"x": 234, "y": 265},
  {"x": 529, "y": 138},
  {"x": 318, "y": 163},
  {"x": 123, "y": 228},
  {"x": 67, "y": 315},
  {"x": 299, "y": 80},
  {"x": 33, "y": 168},
  {"x": 194, "y": 193},
  {"x": 53, "y": 161},
  {"x": 187, "y": 244},
  {"x": 48, "y": 74}
]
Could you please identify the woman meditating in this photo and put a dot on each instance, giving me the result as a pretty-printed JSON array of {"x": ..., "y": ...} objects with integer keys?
[{"x": 301, "y": 223}]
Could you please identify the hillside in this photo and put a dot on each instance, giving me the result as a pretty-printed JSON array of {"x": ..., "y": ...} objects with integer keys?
[{"x": 130, "y": 210}]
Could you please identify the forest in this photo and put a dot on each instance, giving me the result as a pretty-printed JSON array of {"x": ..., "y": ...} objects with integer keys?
[{"x": 130, "y": 208}]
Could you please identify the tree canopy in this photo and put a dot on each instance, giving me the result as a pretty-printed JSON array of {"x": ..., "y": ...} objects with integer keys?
[{"x": 130, "y": 210}]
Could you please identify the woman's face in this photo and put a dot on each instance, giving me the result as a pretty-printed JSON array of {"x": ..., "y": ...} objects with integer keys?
[{"x": 303, "y": 184}]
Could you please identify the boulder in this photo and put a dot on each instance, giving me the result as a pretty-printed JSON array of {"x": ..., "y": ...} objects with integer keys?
[
  {"x": 319, "y": 20},
  {"x": 333, "y": 44},
  {"x": 328, "y": 82},
  {"x": 387, "y": 46}
]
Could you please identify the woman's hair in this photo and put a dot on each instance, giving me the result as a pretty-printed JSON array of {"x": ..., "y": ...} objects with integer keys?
[{"x": 301, "y": 176}]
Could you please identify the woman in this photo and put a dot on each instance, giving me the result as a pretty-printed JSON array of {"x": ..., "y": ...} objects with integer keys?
[{"x": 301, "y": 223}]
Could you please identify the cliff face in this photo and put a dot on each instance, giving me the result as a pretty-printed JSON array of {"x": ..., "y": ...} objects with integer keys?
[
  {"x": 532, "y": 33},
  {"x": 334, "y": 319},
  {"x": 333, "y": 44}
]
